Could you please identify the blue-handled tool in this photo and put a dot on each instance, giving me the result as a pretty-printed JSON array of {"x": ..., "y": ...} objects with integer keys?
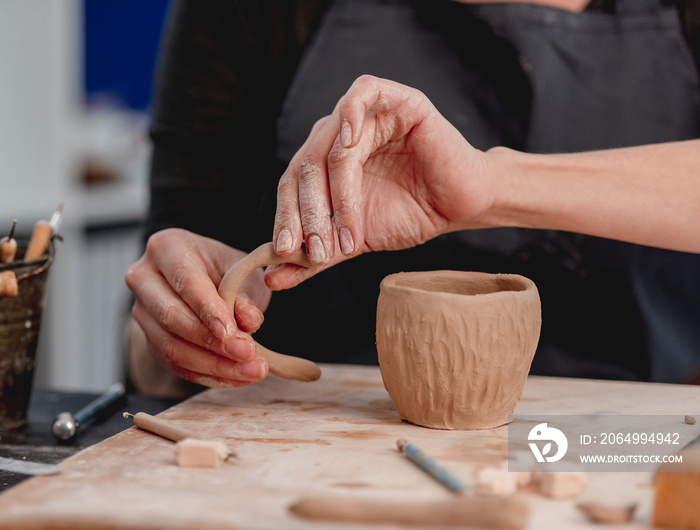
[
  {"x": 65, "y": 425},
  {"x": 430, "y": 466}
]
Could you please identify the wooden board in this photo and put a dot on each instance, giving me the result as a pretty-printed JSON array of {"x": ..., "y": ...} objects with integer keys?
[{"x": 335, "y": 436}]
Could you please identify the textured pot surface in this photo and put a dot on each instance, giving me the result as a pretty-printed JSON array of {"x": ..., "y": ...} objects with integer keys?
[{"x": 455, "y": 347}]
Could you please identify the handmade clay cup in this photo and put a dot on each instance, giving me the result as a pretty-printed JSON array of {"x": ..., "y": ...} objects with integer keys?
[{"x": 455, "y": 348}]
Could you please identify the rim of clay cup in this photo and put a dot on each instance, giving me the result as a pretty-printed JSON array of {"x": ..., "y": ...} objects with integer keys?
[{"x": 462, "y": 283}]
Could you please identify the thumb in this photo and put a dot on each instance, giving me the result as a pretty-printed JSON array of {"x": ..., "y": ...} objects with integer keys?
[
  {"x": 248, "y": 316},
  {"x": 252, "y": 300},
  {"x": 288, "y": 275}
]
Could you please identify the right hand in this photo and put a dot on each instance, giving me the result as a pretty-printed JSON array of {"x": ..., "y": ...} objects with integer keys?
[
  {"x": 188, "y": 327},
  {"x": 385, "y": 171}
]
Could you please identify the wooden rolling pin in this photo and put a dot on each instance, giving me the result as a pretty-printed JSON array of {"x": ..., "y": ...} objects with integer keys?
[
  {"x": 281, "y": 365},
  {"x": 460, "y": 512}
]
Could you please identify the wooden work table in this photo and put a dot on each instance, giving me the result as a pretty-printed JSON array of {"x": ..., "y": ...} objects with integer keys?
[{"x": 335, "y": 436}]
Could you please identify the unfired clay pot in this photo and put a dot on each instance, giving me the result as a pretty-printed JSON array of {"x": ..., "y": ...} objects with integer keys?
[{"x": 455, "y": 347}]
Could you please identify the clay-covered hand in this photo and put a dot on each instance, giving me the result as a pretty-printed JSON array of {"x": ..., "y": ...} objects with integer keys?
[
  {"x": 385, "y": 171},
  {"x": 188, "y": 327}
]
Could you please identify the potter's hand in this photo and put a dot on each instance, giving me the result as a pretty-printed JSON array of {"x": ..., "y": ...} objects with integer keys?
[
  {"x": 188, "y": 327},
  {"x": 384, "y": 172}
]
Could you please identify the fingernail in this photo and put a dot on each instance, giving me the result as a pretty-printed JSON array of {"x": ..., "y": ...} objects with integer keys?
[
  {"x": 345, "y": 134},
  {"x": 284, "y": 240},
  {"x": 347, "y": 246},
  {"x": 317, "y": 253},
  {"x": 218, "y": 328},
  {"x": 240, "y": 349},
  {"x": 252, "y": 371}
]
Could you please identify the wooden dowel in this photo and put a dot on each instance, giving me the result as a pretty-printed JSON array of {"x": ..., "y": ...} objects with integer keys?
[
  {"x": 40, "y": 238},
  {"x": 164, "y": 428}
]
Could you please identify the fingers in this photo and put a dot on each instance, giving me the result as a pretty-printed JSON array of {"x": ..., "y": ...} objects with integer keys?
[
  {"x": 174, "y": 316},
  {"x": 194, "y": 363},
  {"x": 252, "y": 299},
  {"x": 175, "y": 283},
  {"x": 174, "y": 256},
  {"x": 288, "y": 275},
  {"x": 305, "y": 208},
  {"x": 303, "y": 199},
  {"x": 369, "y": 94},
  {"x": 320, "y": 193}
]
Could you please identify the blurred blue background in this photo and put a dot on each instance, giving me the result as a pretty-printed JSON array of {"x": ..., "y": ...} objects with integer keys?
[{"x": 121, "y": 43}]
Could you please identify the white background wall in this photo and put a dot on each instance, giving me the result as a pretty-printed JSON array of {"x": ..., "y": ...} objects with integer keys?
[{"x": 45, "y": 136}]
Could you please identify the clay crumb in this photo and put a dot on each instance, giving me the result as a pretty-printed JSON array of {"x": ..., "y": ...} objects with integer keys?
[
  {"x": 690, "y": 420},
  {"x": 495, "y": 481},
  {"x": 561, "y": 484}
]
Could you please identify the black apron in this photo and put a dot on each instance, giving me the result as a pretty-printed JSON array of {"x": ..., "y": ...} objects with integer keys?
[{"x": 536, "y": 79}]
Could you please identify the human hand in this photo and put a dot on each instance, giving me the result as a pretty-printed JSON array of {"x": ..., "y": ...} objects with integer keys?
[
  {"x": 385, "y": 171},
  {"x": 188, "y": 326}
]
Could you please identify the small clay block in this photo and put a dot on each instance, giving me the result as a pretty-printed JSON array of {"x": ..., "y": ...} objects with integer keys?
[
  {"x": 678, "y": 491},
  {"x": 561, "y": 484},
  {"x": 690, "y": 420},
  {"x": 607, "y": 513},
  {"x": 191, "y": 452},
  {"x": 496, "y": 481}
]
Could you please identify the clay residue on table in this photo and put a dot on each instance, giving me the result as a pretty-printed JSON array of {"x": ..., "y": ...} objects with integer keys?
[
  {"x": 282, "y": 441},
  {"x": 365, "y": 434},
  {"x": 351, "y": 485}
]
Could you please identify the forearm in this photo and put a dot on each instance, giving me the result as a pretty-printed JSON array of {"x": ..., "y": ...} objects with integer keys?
[{"x": 648, "y": 195}]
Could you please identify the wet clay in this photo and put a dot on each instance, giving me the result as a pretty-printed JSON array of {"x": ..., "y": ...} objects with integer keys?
[
  {"x": 281, "y": 365},
  {"x": 608, "y": 513},
  {"x": 461, "y": 512},
  {"x": 455, "y": 347}
]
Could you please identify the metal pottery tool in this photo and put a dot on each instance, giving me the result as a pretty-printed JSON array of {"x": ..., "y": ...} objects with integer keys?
[
  {"x": 65, "y": 425},
  {"x": 430, "y": 466},
  {"x": 164, "y": 428},
  {"x": 28, "y": 468}
]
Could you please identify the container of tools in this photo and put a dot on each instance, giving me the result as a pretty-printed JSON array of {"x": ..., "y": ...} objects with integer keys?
[
  {"x": 20, "y": 321},
  {"x": 24, "y": 275}
]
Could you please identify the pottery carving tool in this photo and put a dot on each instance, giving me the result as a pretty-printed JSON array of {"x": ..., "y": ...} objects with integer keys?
[
  {"x": 458, "y": 512},
  {"x": 430, "y": 466},
  {"x": 170, "y": 431},
  {"x": 8, "y": 245},
  {"x": 43, "y": 230},
  {"x": 65, "y": 425}
]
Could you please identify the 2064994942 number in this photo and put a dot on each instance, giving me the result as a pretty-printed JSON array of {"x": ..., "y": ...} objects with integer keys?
[{"x": 639, "y": 438}]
